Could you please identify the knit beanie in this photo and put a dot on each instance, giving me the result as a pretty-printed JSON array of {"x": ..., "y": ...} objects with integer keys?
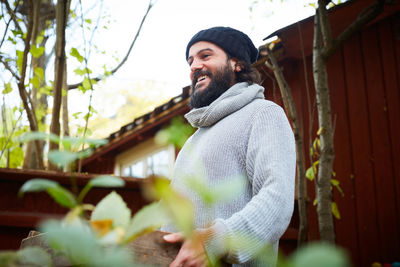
[{"x": 236, "y": 43}]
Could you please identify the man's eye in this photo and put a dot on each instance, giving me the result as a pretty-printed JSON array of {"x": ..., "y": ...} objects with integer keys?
[{"x": 205, "y": 56}]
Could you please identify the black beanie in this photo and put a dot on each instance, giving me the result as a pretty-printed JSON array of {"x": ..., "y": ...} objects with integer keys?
[{"x": 236, "y": 43}]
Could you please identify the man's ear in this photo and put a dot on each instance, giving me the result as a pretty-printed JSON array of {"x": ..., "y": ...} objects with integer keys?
[{"x": 234, "y": 65}]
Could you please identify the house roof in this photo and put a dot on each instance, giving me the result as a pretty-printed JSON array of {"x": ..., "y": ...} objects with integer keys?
[
  {"x": 340, "y": 17},
  {"x": 143, "y": 126}
]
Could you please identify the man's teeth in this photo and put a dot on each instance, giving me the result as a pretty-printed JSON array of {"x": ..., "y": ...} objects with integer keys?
[{"x": 201, "y": 78}]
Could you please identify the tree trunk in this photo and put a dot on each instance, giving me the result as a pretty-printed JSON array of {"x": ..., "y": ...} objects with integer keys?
[
  {"x": 39, "y": 25},
  {"x": 65, "y": 103},
  {"x": 327, "y": 155},
  {"x": 293, "y": 117},
  {"x": 27, "y": 102},
  {"x": 61, "y": 21}
]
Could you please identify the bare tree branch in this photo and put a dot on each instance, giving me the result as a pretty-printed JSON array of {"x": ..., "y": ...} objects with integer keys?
[
  {"x": 8, "y": 67},
  {"x": 11, "y": 12},
  {"x": 366, "y": 16},
  {"x": 76, "y": 85},
  {"x": 324, "y": 23}
]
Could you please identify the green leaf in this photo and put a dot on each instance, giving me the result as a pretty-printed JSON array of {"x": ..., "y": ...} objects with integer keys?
[
  {"x": 89, "y": 21},
  {"x": 107, "y": 181},
  {"x": 35, "y": 81},
  {"x": 84, "y": 153},
  {"x": 177, "y": 133},
  {"x": 315, "y": 202},
  {"x": 7, "y": 88},
  {"x": 147, "y": 220},
  {"x": 58, "y": 193},
  {"x": 96, "y": 142},
  {"x": 39, "y": 73},
  {"x": 178, "y": 207},
  {"x": 8, "y": 258},
  {"x": 11, "y": 40},
  {"x": 335, "y": 182},
  {"x": 86, "y": 84},
  {"x": 76, "y": 242},
  {"x": 62, "y": 158},
  {"x": 62, "y": 196},
  {"x": 75, "y": 53},
  {"x": 112, "y": 207},
  {"x": 34, "y": 256},
  {"x": 36, "y": 51},
  {"x": 310, "y": 174},
  {"x": 335, "y": 210},
  {"x": 319, "y": 254},
  {"x": 76, "y": 114},
  {"x": 101, "y": 181},
  {"x": 31, "y": 136},
  {"x": 222, "y": 192},
  {"x": 36, "y": 185},
  {"x": 79, "y": 71}
]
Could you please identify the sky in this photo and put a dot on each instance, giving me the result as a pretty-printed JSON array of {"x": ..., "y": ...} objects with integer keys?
[
  {"x": 157, "y": 61},
  {"x": 159, "y": 53}
]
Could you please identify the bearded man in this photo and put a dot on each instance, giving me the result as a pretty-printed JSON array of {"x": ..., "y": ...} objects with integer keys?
[{"x": 240, "y": 135}]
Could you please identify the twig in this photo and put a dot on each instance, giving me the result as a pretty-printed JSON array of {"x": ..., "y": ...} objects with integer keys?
[
  {"x": 8, "y": 67},
  {"x": 76, "y": 85},
  {"x": 12, "y": 13}
]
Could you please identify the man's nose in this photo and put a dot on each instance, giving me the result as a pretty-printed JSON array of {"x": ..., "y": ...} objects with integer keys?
[{"x": 196, "y": 65}]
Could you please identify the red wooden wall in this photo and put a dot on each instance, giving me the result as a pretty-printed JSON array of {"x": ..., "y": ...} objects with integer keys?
[
  {"x": 20, "y": 215},
  {"x": 364, "y": 81}
]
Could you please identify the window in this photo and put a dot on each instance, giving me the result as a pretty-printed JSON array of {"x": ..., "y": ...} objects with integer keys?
[
  {"x": 153, "y": 164},
  {"x": 146, "y": 159}
]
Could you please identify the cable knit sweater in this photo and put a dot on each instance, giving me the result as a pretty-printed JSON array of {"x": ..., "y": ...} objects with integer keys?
[{"x": 241, "y": 135}]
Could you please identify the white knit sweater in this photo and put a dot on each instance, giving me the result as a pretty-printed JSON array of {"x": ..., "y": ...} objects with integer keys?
[{"x": 241, "y": 135}]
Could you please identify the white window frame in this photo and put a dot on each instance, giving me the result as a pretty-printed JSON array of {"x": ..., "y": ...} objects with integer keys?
[{"x": 141, "y": 152}]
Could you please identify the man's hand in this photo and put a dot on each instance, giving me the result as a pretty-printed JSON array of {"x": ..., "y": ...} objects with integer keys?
[{"x": 192, "y": 252}]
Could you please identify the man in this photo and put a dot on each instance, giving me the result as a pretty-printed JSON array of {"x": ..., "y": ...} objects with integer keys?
[{"x": 240, "y": 134}]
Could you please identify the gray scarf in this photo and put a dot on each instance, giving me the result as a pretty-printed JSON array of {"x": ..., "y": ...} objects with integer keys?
[{"x": 236, "y": 97}]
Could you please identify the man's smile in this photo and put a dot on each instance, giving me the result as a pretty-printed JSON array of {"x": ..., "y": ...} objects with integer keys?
[{"x": 201, "y": 80}]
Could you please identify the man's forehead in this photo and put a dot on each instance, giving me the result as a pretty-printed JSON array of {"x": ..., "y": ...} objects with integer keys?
[{"x": 203, "y": 46}]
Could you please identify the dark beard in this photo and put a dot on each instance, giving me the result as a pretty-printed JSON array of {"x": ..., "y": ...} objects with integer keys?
[{"x": 221, "y": 81}]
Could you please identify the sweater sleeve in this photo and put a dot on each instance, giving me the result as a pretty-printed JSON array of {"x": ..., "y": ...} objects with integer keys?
[{"x": 270, "y": 165}]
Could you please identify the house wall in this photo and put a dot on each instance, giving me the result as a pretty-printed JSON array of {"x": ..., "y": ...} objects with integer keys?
[
  {"x": 18, "y": 215},
  {"x": 364, "y": 81}
]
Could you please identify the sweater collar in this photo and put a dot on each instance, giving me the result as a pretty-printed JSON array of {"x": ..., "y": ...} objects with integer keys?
[{"x": 230, "y": 101}]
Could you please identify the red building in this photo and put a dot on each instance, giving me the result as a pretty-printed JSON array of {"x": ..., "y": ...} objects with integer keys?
[{"x": 364, "y": 81}]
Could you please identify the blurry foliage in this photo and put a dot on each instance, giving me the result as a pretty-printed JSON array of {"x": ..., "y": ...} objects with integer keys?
[
  {"x": 11, "y": 151},
  {"x": 100, "y": 239},
  {"x": 176, "y": 133}
]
